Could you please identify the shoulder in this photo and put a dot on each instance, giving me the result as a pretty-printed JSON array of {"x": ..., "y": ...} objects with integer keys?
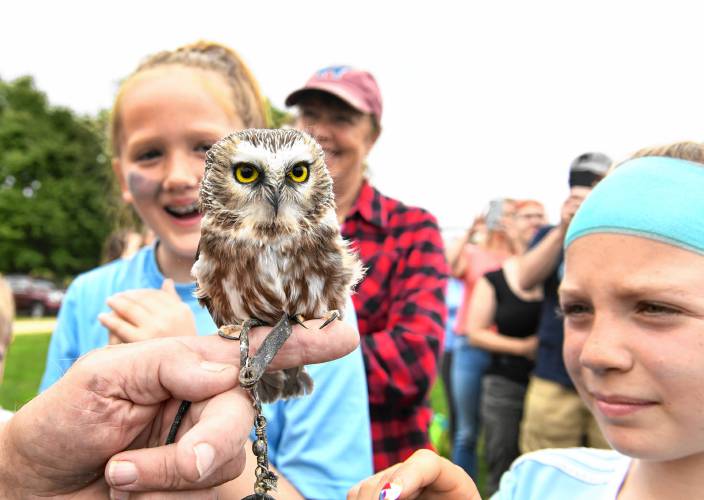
[
  {"x": 93, "y": 282},
  {"x": 583, "y": 463},
  {"x": 493, "y": 276},
  {"x": 550, "y": 473},
  {"x": 401, "y": 215},
  {"x": 95, "y": 285},
  {"x": 493, "y": 281}
]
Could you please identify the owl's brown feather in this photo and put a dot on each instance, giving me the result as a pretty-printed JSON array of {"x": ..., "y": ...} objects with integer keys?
[{"x": 272, "y": 246}]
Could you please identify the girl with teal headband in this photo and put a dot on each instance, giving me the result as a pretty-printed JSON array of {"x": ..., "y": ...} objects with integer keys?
[{"x": 633, "y": 304}]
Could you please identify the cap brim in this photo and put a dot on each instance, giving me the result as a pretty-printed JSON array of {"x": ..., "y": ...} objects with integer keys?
[{"x": 339, "y": 92}]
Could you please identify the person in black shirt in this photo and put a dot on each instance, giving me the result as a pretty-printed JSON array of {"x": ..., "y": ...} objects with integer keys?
[{"x": 503, "y": 320}]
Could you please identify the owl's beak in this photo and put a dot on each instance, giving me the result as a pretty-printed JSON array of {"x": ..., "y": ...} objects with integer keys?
[{"x": 273, "y": 199}]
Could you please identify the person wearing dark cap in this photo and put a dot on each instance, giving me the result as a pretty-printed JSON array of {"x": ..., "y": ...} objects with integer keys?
[
  {"x": 400, "y": 303},
  {"x": 554, "y": 416}
]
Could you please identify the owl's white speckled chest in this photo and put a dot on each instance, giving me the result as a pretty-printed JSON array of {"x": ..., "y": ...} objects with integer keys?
[{"x": 274, "y": 281}]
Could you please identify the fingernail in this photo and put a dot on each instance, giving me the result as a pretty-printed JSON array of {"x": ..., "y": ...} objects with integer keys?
[
  {"x": 122, "y": 473},
  {"x": 205, "y": 456},
  {"x": 214, "y": 367},
  {"x": 119, "y": 495},
  {"x": 391, "y": 491}
]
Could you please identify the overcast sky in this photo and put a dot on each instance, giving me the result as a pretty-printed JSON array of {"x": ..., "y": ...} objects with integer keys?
[{"x": 482, "y": 99}]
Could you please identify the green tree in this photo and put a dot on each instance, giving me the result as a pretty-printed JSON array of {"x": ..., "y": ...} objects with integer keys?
[
  {"x": 54, "y": 185},
  {"x": 277, "y": 118}
]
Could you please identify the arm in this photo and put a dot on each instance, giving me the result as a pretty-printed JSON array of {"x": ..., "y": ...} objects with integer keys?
[
  {"x": 536, "y": 265},
  {"x": 481, "y": 318},
  {"x": 402, "y": 358},
  {"x": 540, "y": 261}
]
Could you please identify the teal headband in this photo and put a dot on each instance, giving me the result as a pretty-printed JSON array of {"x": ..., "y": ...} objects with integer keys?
[{"x": 653, "y": 197}]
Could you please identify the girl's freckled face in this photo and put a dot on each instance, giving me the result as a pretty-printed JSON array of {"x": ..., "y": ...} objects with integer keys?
[
  {"x": 143, "y": 188},
  {"x": 168, "y": 119}
]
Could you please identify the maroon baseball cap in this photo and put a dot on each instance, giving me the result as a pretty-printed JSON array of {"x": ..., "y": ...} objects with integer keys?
[{"x": 356, "y": 87}]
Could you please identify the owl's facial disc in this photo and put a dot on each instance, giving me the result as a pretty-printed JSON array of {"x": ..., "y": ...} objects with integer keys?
[{"x": 271, "y": 189}]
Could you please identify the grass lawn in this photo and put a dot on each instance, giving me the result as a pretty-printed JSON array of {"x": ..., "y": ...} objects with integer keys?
[
  {"x": 23, "y": 369},
  {"x": 442, "y": 441}
]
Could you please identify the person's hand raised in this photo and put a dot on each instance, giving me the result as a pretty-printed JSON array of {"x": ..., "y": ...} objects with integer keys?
[{"x": 570, "y": 207}]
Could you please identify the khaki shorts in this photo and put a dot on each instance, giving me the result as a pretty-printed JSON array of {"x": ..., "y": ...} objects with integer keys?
[{"x": 555, "y": 417}]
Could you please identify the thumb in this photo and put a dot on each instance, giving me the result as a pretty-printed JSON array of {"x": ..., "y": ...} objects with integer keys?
[
  {"x": 431, "y": 476},
  {"x": 169, "y": 287},
  {"x": 208, "y": 454}
]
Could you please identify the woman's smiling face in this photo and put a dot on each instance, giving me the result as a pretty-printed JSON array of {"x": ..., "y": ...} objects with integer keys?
[
  {"x": 634, "y": 341},
  {"x": 169, "y": 117},
  {"x": 345, "y": 134}
]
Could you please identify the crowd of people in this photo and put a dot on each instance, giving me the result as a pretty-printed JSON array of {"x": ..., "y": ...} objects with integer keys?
[
  {"x": 572, "y": 349},
  {"x": 507, "y": 378}
]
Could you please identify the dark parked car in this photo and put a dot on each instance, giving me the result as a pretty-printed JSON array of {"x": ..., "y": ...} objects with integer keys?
[{"x": 35, "y": 297}]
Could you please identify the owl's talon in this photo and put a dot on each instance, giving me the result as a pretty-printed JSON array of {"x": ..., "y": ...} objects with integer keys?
[
  {"x": 254, "y": 367},
  {"x": 230, "y": 332},
  {"x": 235, "y": 332},
  {"x": 298, "y": 319},
  {"x": 330, "y": 316}
]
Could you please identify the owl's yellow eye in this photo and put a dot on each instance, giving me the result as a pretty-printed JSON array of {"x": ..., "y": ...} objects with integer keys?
[
  {"x": 299, "y": 172},
  {"x": 246, "y": 173}
]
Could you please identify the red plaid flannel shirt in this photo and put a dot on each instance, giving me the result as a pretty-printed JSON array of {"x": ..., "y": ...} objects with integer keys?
[{"x": 401, "y": 311}]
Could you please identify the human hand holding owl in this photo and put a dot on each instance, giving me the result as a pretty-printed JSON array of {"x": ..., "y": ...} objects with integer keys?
[{"x": 132, "y": 391}]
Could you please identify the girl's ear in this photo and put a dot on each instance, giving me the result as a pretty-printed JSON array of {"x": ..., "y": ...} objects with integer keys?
[{"x": 117, "y": 168}]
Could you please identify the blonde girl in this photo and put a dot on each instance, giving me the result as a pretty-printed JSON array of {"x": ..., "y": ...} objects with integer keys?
[{"x": 166, "y": 116}]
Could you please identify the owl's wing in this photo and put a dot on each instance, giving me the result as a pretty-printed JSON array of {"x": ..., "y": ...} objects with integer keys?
[
  {"x": 208, "y": 304},
  {"x": 204, "y": 300}
]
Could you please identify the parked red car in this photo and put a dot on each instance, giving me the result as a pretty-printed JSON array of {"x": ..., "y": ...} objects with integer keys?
[{"x": 35, "y": 297}]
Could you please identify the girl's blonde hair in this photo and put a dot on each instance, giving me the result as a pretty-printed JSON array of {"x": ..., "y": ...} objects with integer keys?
[
  {"x": 685, "y": 150},
  {"x": 210, "y": 56}
]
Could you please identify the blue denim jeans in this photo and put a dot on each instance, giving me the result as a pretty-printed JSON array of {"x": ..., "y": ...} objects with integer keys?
[{"x": 468, "y": 367}]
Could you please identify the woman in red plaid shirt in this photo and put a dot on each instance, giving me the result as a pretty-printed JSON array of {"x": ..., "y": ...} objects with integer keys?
[{"x": 400, "y": 303}]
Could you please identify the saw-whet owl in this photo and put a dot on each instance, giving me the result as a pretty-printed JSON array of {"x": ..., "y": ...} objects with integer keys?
[{"x": 270, "y": 240}]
